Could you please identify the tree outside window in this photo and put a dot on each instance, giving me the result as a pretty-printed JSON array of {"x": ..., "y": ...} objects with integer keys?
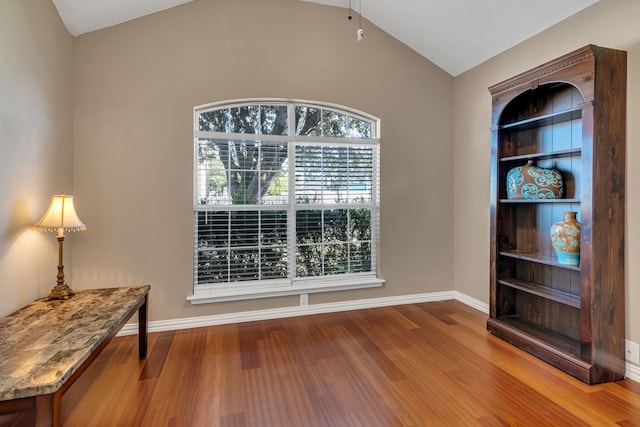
[{"x": 283, "y": 191}]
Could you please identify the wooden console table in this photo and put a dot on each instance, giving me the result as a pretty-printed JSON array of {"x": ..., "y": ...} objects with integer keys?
[{"x": 45, "y": 346}]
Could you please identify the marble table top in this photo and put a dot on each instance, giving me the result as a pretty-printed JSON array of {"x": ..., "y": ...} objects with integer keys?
[{"x": 44, "y": 343}]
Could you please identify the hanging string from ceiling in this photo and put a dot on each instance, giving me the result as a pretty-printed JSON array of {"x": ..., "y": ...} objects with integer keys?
[{"x": 360, "y": 31}]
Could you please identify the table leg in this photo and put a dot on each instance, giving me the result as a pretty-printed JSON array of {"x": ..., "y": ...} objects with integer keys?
[
  {"x": 44, "y": 411},
  {"x": 142, "y": 329}
]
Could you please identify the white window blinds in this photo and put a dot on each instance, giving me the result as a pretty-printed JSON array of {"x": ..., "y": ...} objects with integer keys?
[{"x": 270, "y": 207}]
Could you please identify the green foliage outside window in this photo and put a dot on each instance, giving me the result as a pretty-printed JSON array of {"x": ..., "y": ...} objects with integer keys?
[{"x": 245, "y": 244}]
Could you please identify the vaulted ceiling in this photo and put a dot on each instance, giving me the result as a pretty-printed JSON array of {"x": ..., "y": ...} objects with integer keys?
[{"x": 456, "y": 35}]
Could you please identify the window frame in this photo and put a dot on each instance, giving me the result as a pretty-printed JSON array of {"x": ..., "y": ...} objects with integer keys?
[{"x": 291, "y": 285}]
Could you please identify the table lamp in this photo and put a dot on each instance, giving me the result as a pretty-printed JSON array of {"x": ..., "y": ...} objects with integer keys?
[{"x": 61, "y": 216}]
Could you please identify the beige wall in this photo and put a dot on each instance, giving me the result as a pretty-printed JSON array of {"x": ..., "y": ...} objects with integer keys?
[
  {"x": 135, "y": 88},
  {"x": 609, "y": 23},
  {"x": 36, "y": 136}
]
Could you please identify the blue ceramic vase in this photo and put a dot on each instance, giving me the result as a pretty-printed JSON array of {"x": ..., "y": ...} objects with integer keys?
[
  {"x": 565, "y": 237},
  {"x": 532, "y": 182}
]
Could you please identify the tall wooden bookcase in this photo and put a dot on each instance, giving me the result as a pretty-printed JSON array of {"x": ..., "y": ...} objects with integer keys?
[{"x": 568, "y": 114}]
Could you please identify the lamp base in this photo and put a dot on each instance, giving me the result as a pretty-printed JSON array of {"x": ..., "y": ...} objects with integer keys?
[{"x": 60, "y": 292}]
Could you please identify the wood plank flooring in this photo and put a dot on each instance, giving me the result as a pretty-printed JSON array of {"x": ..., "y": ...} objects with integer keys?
[{"x": 430, "y": 364}]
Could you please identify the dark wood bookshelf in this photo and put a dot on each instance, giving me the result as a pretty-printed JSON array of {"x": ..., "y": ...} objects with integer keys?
[
  {"x": 542, "y": 156},
  {"x": 542, "y": 291},
  {"x": 567, "y": 114},
  {"x": 539, "y": 200},
  {"x": 539, "y": 258},
  {"x": 544, "y": 120},
  {"x": 559, "y": 350}
]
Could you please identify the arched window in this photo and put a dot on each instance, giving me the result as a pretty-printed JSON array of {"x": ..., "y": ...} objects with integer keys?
[{"x": 286, "y": 199}]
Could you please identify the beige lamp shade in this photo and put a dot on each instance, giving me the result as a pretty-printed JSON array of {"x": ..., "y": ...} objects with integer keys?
[{"x": 61, "y": 216}]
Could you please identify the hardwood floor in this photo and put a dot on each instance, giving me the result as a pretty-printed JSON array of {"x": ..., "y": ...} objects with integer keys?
[{"x": 430, "y": 364}]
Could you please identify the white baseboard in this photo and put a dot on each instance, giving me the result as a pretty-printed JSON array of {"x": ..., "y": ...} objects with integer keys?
[
  {"x": 300, "y": 310},
  {"x": 632, "y": 370},
  {"x": 471, "y": 302}
]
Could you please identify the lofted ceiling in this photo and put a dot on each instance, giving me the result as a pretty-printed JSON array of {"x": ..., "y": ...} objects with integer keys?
[
  {"x": 456, "y": 35},
  {"x": 84, "y": 16}
]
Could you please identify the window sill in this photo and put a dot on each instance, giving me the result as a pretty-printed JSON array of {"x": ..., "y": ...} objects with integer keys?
[{"x": 243, "y": 292}]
